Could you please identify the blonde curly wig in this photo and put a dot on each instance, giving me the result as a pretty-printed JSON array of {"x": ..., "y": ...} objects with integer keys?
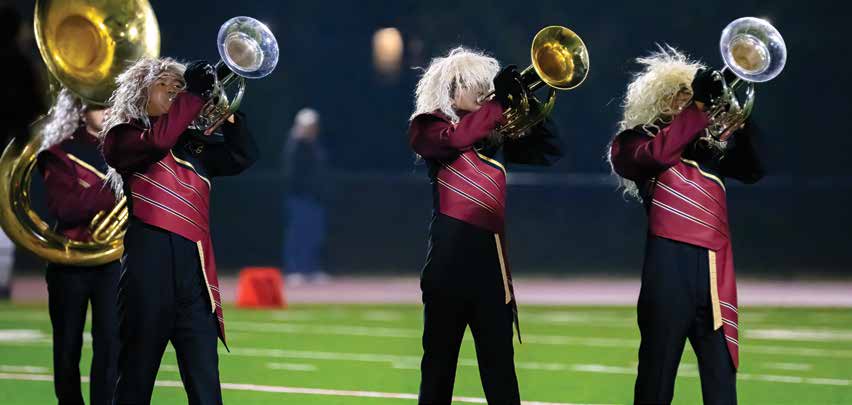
[
  {"x": 649, "y": 96},
  {"x": 461, "y": 68}
]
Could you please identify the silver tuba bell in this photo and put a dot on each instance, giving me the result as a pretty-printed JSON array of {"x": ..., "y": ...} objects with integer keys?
[
  {"x": 754, "y": 51},
  {"x": 250, "y": 51}
]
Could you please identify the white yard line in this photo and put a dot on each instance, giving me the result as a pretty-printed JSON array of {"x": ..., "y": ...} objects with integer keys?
[
  {"x": 789, "y": 366},
  {"x": 28, "y": 377},
  {"x": 801, "y": 335},
  {"x": 8, "y": 368},
  {"x": 294, "y": 390},
  {"x": 795, "y": 380},
  {"x": 816, "y": 335},
  {"x": 411, "y": 333},
  {"x": 292, "y": 367},
  {"x": 797, "y": 351},
  {"x": 607, "y": 319},
  {"x": 580, "y": 341},
  {"x": 21, "y": 335},
  {"x": 26, "y": 339},
  {"x": 345, "y": 330},
  {"x": 785, "y": 379},
  {"x": 395, "y": 361},
  {"x": 412, "y": 363}
]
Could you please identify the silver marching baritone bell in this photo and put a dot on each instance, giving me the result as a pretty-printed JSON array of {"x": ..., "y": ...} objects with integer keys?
[
  {"x": 250, "y": 51},
  {"x": 754, "y": 51}
]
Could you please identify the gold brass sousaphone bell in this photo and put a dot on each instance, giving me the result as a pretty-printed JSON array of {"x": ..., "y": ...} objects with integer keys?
[
  {"x": 85, "y": 45},
  {"x": 754, "y": 51},
  {"x": 560, "y": 61}
]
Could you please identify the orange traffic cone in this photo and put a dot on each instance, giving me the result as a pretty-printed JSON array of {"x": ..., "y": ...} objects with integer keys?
[{"x": 261, "y": 287}]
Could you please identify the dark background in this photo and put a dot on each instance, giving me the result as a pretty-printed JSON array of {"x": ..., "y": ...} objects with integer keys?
[{"x": 569, "y": 219}]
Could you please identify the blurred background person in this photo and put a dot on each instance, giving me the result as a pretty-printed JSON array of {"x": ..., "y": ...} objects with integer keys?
[
  {"x": 20, "y": 103},
  {"x": 305, "y": 164}
]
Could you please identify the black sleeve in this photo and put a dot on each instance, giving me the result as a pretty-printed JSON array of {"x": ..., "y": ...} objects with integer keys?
[
  {"x": 541, "y": 146},
  {"x": 741, "y": 160},
  {"x": 236, "y": 154}
]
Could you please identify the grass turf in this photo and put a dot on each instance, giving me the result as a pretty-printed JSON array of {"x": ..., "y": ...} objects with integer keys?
[{"x": 569, "y": 355}]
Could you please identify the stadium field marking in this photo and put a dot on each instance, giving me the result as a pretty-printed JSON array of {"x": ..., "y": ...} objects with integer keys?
[
  {"x": 579, "y": 341},
  {"x": 801, "y": 335},
  {"x": 33, "y": 377},
  {"x": 395, "y": 361},
  {"x": 292, "y": 390},
  {"x": 591, "y": 342},
  {"x": 345, "y": 330},
  {"x": 23, "y": 369},
  {"x": 292, "y": 367},
  {"x": 347, "y": 393},
  {"x": 29, "y": 337},
  {"x": 787, "y": 379},
  {"x": 409, "y": 363},
  {"x": 789, "y": 366},
  {"x": 798, "y": 351},
  {"x": 21, "y": 335},
  {"x": 757, "y": 349},
  {"x": 410, "y": 333},
  {"x": 603, "y": 319},
  {"x": 794, "y": 380}
]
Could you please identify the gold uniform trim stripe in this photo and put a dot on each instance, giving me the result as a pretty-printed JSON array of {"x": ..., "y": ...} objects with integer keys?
[
  {"x": 184, "y": 162},
  {"x": 503, "y": 268},
  {"x": 492, "y": 161},
  {"x": 204, "y": 272},
  {"x": 714, "y": 292},
  {"x": 703, "y": 173},
  {"x": 86, "y": 166}
]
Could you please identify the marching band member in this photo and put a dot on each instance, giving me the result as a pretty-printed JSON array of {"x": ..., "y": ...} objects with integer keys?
[
  {"x": 168, "y": 288},
  {"x": 73, "y": 170},
  {"x": 665, "y": 159},
  {"x": 466, "y": 278}
]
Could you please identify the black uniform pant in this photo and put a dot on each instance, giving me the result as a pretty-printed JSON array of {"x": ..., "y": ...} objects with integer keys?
[
  {"x": 675, "y": 305},
  {"x": 163, "y": 297},
  {"x": 462, "y": 286},
  {"x": 70, "y": 289}
]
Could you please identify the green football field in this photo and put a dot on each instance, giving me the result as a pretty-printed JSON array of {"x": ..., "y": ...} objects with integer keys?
[{"x": 369, "y": 354}]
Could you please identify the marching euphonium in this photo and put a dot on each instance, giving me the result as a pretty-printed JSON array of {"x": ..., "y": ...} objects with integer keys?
[
  {"x": 249, "y": 51},
  {"x": 754, "y": 51},
  {"x": 560, "y": 60},
  {"x": 85, "y": 45}
]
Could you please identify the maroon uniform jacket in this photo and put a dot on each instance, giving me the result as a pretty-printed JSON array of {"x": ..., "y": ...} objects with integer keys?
[
  {"x": 73, "y": 173},
  {"x": 683, "y": 189},
  {"x": 166, "y": 173},
  {"x": 466, "y": 169},
  {"x": 470, "y": 186}
]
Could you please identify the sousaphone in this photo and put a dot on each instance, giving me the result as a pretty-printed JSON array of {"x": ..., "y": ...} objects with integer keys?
[{"x": 85, "y": 44}]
